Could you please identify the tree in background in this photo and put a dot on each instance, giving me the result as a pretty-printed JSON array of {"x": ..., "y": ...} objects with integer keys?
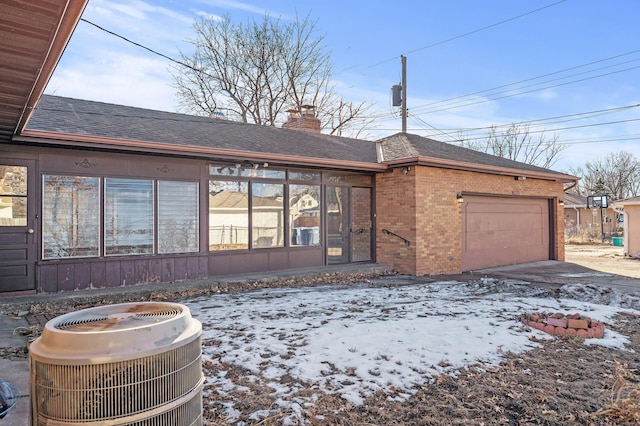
[
  {"x": 517, "y": 143},
  {"x": 616, "y": 175},
  {"x": 255, "y": 72}
]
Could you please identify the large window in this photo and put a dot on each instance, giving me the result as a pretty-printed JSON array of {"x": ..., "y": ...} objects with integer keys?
[
  {"x": 178, "y": 224},
  {"x": 304, "y": 215},
  {"x": 254, "y": 206},
  {"x": 267, "y": 214},
  {"x": 70, "y": 216},
  {"x": 228, "y": 215},
  {"x": 73, "y": 220},
  {"x": 128, "y": 216}
]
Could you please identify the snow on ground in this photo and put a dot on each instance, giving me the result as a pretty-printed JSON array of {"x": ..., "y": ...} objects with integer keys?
[{"x": 355, "y": 340}]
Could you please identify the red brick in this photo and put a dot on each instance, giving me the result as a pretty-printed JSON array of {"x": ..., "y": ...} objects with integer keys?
[
  {"x": 578, "y": 323},
  {"x": 599, "y": 331},
  {"x": 421, "y": 207},
  {"x": 581, "y": 333},
  {"x": 557, "y": 322},
  {"x": 549, "y": 329}
]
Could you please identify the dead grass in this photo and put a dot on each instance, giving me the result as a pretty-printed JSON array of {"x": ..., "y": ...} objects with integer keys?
[
  {"x": 564, "y": 382},
  {"x": 624, "y": 397}
]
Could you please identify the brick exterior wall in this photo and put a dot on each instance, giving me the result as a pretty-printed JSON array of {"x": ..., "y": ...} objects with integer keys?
[{"x": 422, "y": 207}]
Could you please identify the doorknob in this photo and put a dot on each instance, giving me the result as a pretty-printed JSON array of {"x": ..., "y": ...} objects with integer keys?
[{"x": 30, "y": 231}]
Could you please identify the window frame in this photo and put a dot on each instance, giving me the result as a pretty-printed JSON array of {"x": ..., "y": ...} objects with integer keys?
[
  {"x": 102, "y": 252},
  {"x": 98, "y": 236}
]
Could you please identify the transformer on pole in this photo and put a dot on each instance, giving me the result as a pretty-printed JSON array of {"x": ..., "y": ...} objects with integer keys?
[{"x": 399, "y": 94}]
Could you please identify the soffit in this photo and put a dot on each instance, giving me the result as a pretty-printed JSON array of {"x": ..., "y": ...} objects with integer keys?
[{"x": 33, "y": 35}]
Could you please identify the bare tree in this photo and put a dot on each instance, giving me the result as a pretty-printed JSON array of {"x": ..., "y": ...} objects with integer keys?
[
  {"x": 255, "y": 72},
  {"x": 616, "y": 175},
  {"x": 517, "y": 143}
]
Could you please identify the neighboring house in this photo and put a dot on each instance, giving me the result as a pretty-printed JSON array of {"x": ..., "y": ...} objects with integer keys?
[
  {"x": 105, "y": 195},
  {"x": 630, "y": 209},
  {"x": 579, "y": 221}
]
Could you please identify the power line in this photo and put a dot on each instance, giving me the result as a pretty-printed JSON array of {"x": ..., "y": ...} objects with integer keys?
[
  {"x": 572, "y": 127},
  {"x": 420, "y": 120},
  {"x": 141, "y": 46},
  {"x": 538, "y": 77},
  {"x": 579, "y": 116},
  {"x": 468, "y": 33}
]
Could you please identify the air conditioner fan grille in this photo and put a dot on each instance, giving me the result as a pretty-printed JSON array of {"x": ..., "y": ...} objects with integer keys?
[{"x": 116, "y": 317}]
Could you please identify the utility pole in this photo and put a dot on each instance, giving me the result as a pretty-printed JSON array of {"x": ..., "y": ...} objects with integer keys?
[
  {"x": 399, "y": 94},
  {"x": 404, "y": 93}
]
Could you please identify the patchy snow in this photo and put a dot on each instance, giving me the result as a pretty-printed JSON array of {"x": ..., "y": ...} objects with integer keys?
[{"x": 359, "y": 339}]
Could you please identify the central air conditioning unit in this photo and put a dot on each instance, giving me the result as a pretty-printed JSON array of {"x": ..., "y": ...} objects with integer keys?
[{"x": 125, "y": 364}]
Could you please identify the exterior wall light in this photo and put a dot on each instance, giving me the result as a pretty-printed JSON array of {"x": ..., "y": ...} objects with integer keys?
[
  {"x": 459, "y": 198},
  {"x": 406, "y": 169}
]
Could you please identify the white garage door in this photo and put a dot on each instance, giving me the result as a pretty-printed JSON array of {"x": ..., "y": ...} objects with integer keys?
[{"x": 504, "y": 231}]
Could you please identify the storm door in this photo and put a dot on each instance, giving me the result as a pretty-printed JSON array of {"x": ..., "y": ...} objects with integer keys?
[
  {"x": 360, "y": 224},
  {"x": 18, "y": 239},
  {"x": 348, "y": 224}
]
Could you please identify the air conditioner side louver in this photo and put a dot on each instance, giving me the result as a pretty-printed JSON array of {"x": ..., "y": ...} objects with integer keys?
[{"x": 126, "y": 364}]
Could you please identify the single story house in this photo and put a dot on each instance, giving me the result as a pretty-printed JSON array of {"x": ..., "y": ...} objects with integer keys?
[
  {"x": 101, "y": 195},
  {"x": 630, "y": 209}
]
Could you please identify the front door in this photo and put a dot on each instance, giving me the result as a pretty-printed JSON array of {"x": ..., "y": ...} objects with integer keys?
[
  {"x": 18, "y": 239},
  {"x": 348, "y": 224}
]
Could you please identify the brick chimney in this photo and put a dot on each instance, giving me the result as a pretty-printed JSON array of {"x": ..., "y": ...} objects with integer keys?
[{"x": 304, "y": 119}]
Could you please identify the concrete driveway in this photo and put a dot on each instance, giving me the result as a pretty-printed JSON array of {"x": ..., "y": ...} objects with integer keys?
[{"x": 600, "y": 265}]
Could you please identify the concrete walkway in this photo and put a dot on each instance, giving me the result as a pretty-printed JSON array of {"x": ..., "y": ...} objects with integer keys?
[{"x": 14, "y": 315}]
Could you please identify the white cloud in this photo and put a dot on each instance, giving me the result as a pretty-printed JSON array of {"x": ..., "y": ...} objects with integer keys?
[
  {"x": 120, "y": 79},
  {"x": 235, "y": 5}
]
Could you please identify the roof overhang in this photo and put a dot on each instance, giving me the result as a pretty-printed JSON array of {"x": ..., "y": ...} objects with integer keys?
[
  {"x": 33, "y": 35},
  {"x": 65, "y": 140},
  {"x": 481, "y": 168},
  {"x": 627, "y": 202}
]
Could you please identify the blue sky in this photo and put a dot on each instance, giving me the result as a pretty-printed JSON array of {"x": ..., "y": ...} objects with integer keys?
[{"x": 470, "y": 64}]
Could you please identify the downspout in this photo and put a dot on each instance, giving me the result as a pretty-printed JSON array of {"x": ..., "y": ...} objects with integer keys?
[{"x": 625, "y": 233}]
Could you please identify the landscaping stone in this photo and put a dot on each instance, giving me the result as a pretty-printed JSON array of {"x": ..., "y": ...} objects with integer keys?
[{"x": 558, "y": 324}]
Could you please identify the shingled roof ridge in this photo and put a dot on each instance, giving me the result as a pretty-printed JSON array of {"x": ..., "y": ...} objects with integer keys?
[{"x": 420, "y": 146}]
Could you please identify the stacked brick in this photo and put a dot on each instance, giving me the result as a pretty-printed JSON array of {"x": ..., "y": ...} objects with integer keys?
[{"x": 558, "y": 324}]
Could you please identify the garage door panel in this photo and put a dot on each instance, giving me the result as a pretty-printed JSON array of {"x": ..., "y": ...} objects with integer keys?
[{"x": 503, "y": 231}]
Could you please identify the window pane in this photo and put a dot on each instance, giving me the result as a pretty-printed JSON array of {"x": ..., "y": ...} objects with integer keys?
[
  {"x": 262, "y": 172},
  {"x": 13, "y": 196},
  {"x": 70, "y": 216},
  {"x": 128, "y": 216},
  {"x": 223, "y": 170},
  {"x": 304, "y": 215},
  {"x": 178, "y": 222},
  {"x": 352, "y": 178},
  {"x": 300, "y": 175},
  {"x": 228, "y": 215},
  {"x": 267, "y": 215}
]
